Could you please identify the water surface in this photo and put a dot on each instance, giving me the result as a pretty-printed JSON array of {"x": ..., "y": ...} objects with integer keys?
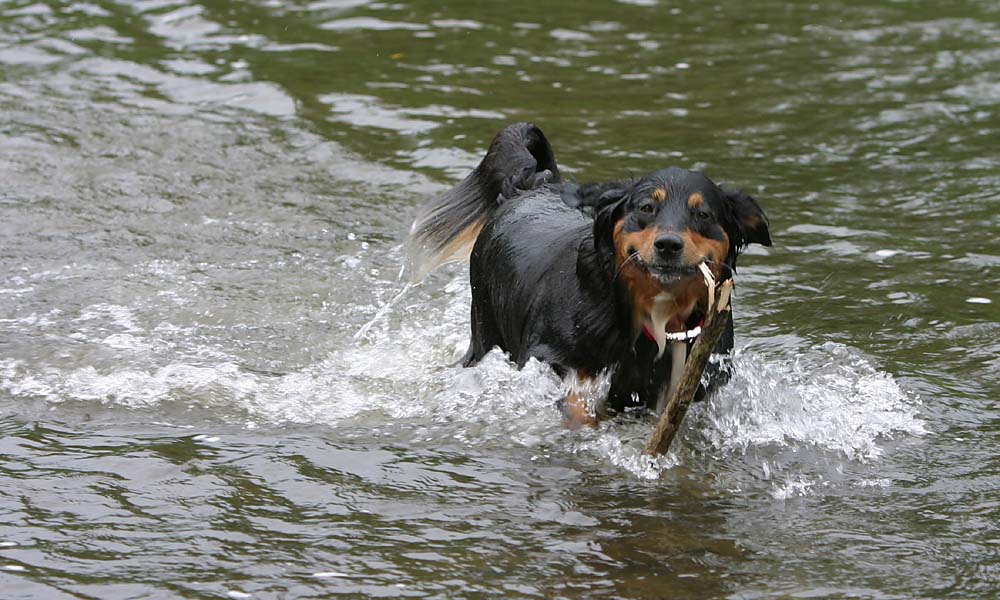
[{"x": 204, "y": 202}]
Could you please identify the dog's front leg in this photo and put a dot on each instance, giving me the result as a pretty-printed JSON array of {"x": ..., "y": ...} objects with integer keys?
[{"x": 579, "y": 406}]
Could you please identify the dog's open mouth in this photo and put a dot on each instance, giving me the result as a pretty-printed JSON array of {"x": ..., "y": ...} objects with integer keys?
[
  {"x": 670, "y": 274},
  {"x": 666, "y": 274}
]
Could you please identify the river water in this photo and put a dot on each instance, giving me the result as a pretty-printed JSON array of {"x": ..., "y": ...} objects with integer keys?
[{"x": 203, "y": 203}]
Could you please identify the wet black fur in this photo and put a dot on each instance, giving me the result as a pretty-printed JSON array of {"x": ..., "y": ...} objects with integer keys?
[{"x": 543, "y": 271}]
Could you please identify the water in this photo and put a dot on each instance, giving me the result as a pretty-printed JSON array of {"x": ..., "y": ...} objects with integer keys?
[{"x": 203, "y": 203}]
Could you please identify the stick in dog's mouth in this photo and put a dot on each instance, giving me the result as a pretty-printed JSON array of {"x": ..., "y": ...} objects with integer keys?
[{"x": 678, "y": 341}]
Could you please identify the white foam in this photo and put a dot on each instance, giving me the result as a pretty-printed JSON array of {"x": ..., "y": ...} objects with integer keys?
[
  {"x": 876, "y": 482},
  {"x": 129, "y": 388},
  {"x": 797, "y": 486},
  {"x": 831, "y": 399},
  {"x": 622, "y": 447},
  {"x": 120, "y": 316}
]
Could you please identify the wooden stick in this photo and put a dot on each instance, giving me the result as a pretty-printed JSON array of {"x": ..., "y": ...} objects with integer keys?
[{"x": 672, "y": 415}]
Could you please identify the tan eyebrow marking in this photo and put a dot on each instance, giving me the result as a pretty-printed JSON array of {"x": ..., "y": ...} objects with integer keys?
[
  {"x": 695, "y": 199},
  {"x": 659, "y": 194}
]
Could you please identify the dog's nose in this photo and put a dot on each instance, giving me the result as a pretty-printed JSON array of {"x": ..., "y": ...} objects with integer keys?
[{"x": 669, "y": 245}]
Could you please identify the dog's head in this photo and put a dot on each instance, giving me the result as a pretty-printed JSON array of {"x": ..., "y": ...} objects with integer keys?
[{"x": 653, "y": 233}]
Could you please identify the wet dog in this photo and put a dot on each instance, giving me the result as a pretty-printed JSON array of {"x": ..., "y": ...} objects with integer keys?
[{"x": 592, "y": 278}]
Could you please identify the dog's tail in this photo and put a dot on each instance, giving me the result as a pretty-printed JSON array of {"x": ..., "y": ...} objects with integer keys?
[{"x": 445, "y": 229}]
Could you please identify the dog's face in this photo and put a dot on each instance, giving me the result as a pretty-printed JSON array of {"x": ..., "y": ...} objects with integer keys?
[
  {"x": 662, "y": 227},
  {"x": 673, "y": 220}
]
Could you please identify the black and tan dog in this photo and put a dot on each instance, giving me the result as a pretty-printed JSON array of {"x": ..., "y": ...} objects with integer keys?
[{"x": 588, "y": 278}]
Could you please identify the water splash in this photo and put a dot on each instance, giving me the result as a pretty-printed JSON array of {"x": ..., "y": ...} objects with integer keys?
[
  {"x": 383, "y": 311},
  {"x": 831, "y": 398}
]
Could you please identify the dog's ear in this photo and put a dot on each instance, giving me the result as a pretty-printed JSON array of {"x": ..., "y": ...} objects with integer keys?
[
  {"x": 607, "y": 211},
  {"x": 748, "y": 218}
]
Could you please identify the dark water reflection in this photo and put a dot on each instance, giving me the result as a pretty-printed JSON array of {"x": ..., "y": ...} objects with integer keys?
[
  {"x": 373, "y": 520},
  {"x": 202, "y": 204}
]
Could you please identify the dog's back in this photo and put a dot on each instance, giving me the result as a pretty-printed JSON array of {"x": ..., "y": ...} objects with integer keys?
[{"x": 527, "y": 297}]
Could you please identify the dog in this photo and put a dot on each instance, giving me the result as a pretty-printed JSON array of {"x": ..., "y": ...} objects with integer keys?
[{"x": 589, "y": 278}]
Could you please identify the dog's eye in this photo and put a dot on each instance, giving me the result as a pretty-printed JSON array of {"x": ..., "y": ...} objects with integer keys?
[
  {"x": 646, "y": 209},
  {"x": 703, "y": 215}
]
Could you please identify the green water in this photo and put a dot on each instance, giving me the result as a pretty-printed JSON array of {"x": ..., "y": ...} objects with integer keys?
[{"x": 202, "y": 203}]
